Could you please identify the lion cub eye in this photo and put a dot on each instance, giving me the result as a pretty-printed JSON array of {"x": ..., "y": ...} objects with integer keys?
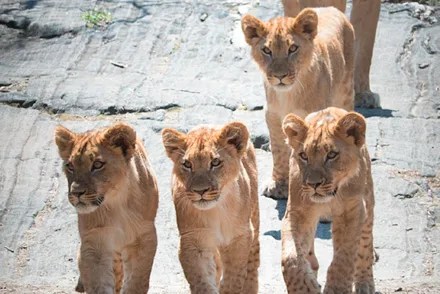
[
  {"x": 186, "y": 164},
  {"x": 69, "y": 167},
  {"x": 215, "y": 162},
  {"x": 97, "y": 165},
  {"x": 266, "y": 51},
  {"x": 303, "y": 156},
  {"x": 293, "y": 48},
  {"x": 332, "y": 155}
]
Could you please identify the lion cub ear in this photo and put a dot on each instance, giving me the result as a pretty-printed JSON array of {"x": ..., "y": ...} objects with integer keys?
[
  {"x": 306, "y": 24},
  {"x": 64, "y": 139},
  {"x": 253, "y": 29},
  {"x": 235, "y": 134},
  {"x": 121, "y": 136},
  {"x": 295, "y": 130},
  {"x": 174, "y": 143},
  {"x": 352, "y": 127}
]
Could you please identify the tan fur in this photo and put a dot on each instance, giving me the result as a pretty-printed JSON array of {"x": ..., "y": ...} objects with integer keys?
[
  {"x": 309, "y": 67},
  {"x": 364, "y": 18},
  {"x": 330, "y": 175},
  {"x": 215, "y": 194},
  {"x": 113, "y": 188}
]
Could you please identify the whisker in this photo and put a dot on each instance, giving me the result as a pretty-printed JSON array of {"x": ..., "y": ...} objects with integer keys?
[{"x": 302, "y": 86}]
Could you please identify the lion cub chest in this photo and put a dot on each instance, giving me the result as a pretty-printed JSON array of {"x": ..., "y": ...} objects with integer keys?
[{"x": 226, "y": 221}]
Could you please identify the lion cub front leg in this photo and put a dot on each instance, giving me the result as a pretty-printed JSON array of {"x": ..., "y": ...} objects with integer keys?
[
  {"x": 138, "y": 261},
  {"x": 346, "y": 232},
  {"x": 117, "y": 270},
  {"x": 278, "y": 188},
  {"x": 363, "y": 277},
  {"x": 235, "y": 260},
  {"x": 199, "y": 266},
  {"x": 299, "y": 263},
  {"x": 96, "y": 268}
]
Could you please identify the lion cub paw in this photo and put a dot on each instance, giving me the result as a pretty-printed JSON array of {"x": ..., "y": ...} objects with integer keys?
[
  {"x": 336, "y": 290},
  {"x": 276, "y": 189},
  {"x": 367, "y": 100}
]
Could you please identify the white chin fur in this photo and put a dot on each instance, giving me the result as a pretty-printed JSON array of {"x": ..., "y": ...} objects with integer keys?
[
  {"x": 205, "y": 205},
  {"x": 321, "y": 199},
  {"x": 283, "y": 88},
  {"x": 82, "y": 209}
]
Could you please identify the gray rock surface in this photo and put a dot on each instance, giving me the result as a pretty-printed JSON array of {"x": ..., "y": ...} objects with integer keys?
[{"x": 183, "y": 63}]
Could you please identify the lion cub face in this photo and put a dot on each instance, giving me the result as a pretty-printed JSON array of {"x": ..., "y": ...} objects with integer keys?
[
  {"x": 326, "y": 147},
  {"x": 206, "y": 160},
  {"x": 95, "y": 163},
  {"x": 283, "y": 46}
]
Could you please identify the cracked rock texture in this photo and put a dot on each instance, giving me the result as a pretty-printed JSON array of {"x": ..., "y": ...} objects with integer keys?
[{"x": 183, "y": 63}]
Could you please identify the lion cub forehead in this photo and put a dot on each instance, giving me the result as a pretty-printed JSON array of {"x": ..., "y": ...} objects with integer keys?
[
  {"x": 202, "y": 140},
  {"x": 280, "y": 31},
  {"x": 204, "y": 128},
  {"x": 324, "y": 117},
  {"x": 281, "y": 25},
  {"x": 85, "y": 148}
]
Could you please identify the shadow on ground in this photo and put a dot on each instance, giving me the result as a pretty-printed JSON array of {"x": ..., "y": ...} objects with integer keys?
[
  {"x": 323, "y": 231},
  {"x": 371, "y": 112}
]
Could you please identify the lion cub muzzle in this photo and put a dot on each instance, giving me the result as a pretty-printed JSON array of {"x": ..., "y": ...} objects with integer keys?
[
  {"x": 318, "y": 187},
  {"x": 204, "y": 194},
  {"x": 84, "y": 199}
]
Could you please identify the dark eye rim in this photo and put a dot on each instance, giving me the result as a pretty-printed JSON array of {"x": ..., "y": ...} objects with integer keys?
[
  {"x": 295, "y": 46},
  {"x": 333, "y": 155},
  {"x": 303, "y": 156},
  {"x": 187, "y": 164},
  {"x": 216, "y": 162},
  {"x": 69, "y": 166},
  {"x": 100, "y": 165},
  {"x": 266, "y": 50}
]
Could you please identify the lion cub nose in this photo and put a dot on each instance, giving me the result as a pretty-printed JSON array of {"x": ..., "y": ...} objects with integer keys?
[
  {"x": 78, "y": 193},
  {"x": 200, "y": 191},
  {"x": 77, "y": 190},
  {"x": 315, "y": 183},
  {"x": 281, "y": 76}
]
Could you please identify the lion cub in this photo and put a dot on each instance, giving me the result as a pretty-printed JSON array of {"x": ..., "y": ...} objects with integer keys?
[
  {"x": 330, "y": 174},
  {"x": 307, "y": 63},
  {"x": 113, "y": 188},
  {"x": 215, "y": 195}
]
